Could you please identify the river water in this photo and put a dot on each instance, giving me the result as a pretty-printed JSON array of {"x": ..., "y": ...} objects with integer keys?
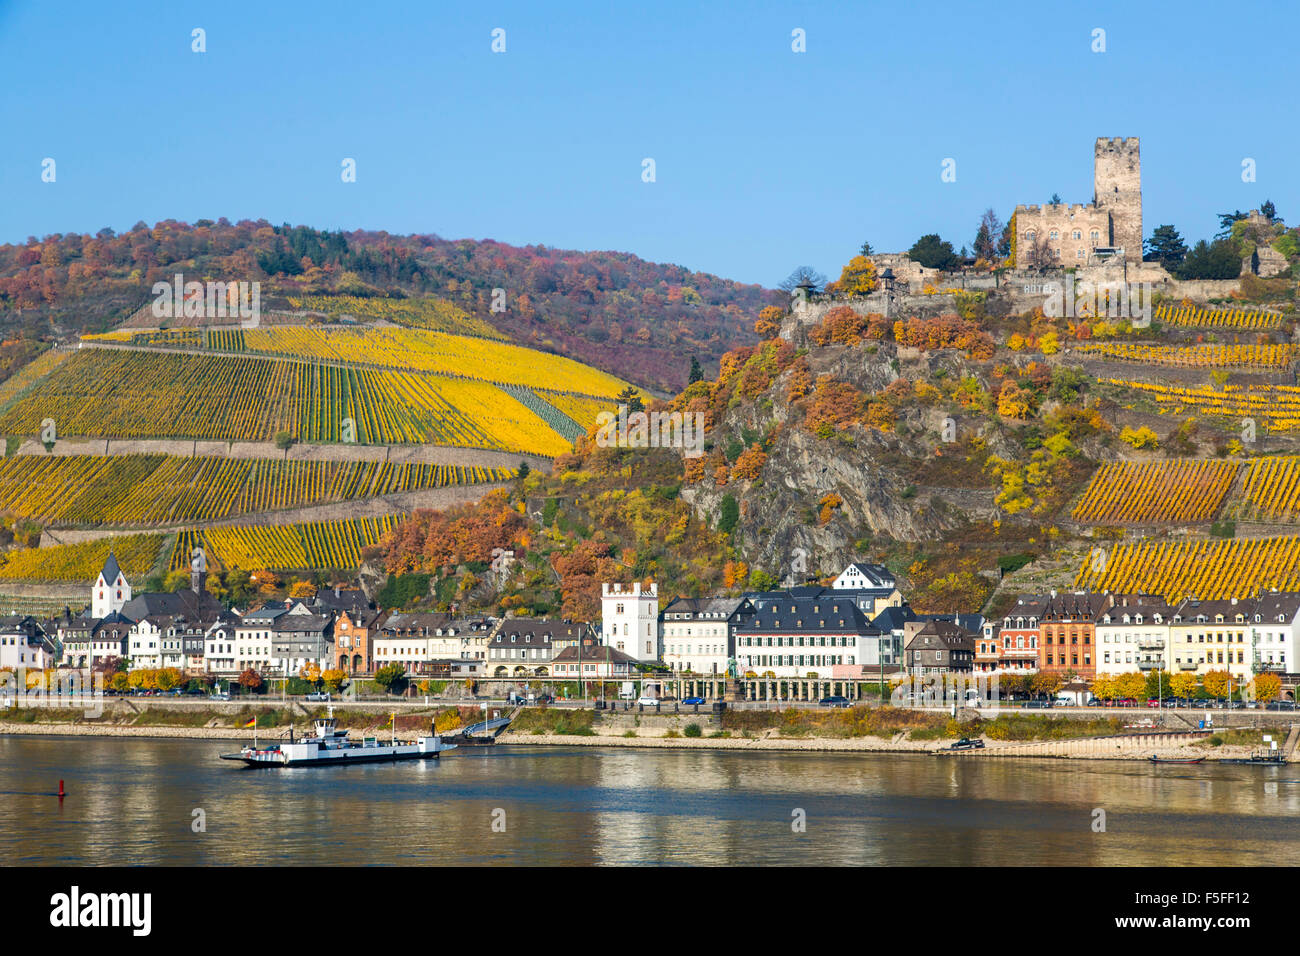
[{"x": 133, "y": 802}]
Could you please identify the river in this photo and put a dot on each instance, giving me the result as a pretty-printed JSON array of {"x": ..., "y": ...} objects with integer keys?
[{"x": 132, "y": 802}]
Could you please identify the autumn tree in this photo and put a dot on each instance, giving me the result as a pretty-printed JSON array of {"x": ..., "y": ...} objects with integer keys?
[
  {"x": 1266, "y": 686},
  {"x": 390, "y": 677},
  {"x": 1046, "y": 683},
  {"x": 1216, "y": 683},
  {"x": 1132, "y": 684},
  {"x": 768, "y": 325},
  {"x": 750, "y": 464},
  {"x": 250, "y": 680},
  {"x": 1183, "y": 685},
  {"x": 334, "y": 679},
  {"x": 858, "y": 277}
]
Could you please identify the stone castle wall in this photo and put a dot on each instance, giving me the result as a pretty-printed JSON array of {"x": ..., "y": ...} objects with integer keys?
[{"x": 1117, "y": 186}]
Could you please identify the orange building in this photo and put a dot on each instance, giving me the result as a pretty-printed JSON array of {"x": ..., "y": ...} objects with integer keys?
[{"x": 1067, "y": 633}]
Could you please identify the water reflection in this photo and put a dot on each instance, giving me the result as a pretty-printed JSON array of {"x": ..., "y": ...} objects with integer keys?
[{"x": 132, "y": 802}]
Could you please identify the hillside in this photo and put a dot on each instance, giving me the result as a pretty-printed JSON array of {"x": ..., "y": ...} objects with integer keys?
[
  {"x": 975, "y": 454},
  {"x": 612, "y": 310}
]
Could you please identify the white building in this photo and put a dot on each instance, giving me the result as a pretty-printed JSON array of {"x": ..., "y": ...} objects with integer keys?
[
  {"x": 145, "y": 640},
  {"x": 1275, "y": 626},
  {"x": 1209, "y": 636},
  {"x": 874, "y": 585},
  {"x": 630, "y": 616},
  {"x": 698, "y": 635},
  {"x": 1133, "y": 635},
  {"x": 111, "y": 590},
  {"x": 23, "y": 644}
]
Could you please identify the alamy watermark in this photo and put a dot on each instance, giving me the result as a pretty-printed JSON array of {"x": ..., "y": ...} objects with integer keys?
[
  {"x": 69, "y": 689},
  {"x": 1114, "y": 300},
  {"x": 684, "y": 430},
  {"x": 208, "y": 300},
  {"x": 947, "y": 690}
]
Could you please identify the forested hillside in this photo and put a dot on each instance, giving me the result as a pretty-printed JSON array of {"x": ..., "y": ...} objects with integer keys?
[{"x": 638, "y": 319}]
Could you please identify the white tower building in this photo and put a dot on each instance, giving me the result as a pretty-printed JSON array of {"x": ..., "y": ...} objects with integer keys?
[
  {"x": 111, "y": 590},
  {"x": 630, "y": 616}
]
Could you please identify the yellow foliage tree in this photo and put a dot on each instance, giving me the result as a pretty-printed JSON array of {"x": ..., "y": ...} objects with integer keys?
[{"x": 858, "y": 277}]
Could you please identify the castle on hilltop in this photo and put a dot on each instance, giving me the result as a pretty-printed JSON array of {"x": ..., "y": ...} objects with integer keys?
[{"x": 1109, "y": 227}]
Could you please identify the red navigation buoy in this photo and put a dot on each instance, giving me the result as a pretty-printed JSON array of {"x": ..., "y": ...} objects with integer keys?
[{"x": 61, "y": 793}]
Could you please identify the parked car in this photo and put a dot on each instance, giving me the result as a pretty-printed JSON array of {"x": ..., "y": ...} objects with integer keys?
[
  {"x": 318, "y": 695},
  {"x": 1154, "y": 702},
  {"x": 968, "y": 743},
  {"x": 221, "y": 697},
  {"x": 690, "y": 701},
  {"x": 1039, "y": 704},
  {"x": 647, "y": 701},
  {"x": 834, "y": 700},
  {"x": 541, "y": 699},
  {"x": 1096, "y": 702}
]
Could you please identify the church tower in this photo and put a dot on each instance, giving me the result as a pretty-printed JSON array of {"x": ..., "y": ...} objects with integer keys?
[
  {"x": 111, "y": 590},
  {"x": 1117, "y": 185}
]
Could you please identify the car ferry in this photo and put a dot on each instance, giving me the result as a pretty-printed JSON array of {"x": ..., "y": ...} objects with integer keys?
[{"x": 329, "y": 745}]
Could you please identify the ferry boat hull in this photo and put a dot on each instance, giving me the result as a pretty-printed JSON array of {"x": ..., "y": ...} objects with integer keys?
[
  {"x": 313, "y": 755},
  {"x": 331, "y": 746}
]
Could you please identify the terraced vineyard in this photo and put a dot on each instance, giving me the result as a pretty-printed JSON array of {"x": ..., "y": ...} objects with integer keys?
[
  {"x": 580, "y": 409},
  {"x": 136, "y": 554},
  {"x": 1206, "y": 569},
  {"x": 1196, "y": 356},
  {"x": 1275, "y": 407},
  {"x": 317, "y": 544},
  {"x": 156, "y": 489},
  {"x": 118, "y": 393},
  {"x": 31, "y": 373},
  {"x": 1126, "y": 492},
  {"x": 438, "y": 352},
  {"x": 425, "y": 312},
  {"x": 1195, "y": 317},
  {"x": 545, "y": 410},
  {"x": 1271, "y": 491}
]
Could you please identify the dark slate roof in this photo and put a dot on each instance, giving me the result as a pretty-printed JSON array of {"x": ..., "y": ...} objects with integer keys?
[
  {"x": 877, "y": 576},
  {"x": 1274, "y": 603},
  {"x": 1028, "y": 605},
  {"x": 301, "y": 623},
  {"x": 537, "y": 631},
  {"x": 1075, "y": 606},
  {"x": 192, "y": 604},
  {"x": 111, "y": 570},
  {"x": 1190, "y": 609},
  {"x": 971, "y": 622},
  {"x": 716, "y": 608},
  {"x": 341, "y": 599},
  {"x": 950, "y": 634},
  {"x": 825, "y": 612},
  {"x": 893, "y": 618}
]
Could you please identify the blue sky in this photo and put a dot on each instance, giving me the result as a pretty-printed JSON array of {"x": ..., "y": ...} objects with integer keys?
[{"x": 765, "y": 158}]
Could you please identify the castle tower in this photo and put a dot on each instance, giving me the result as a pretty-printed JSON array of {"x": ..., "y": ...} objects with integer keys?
[
  {"x": 111, "y": 590},
  {"x": 1117, "y": 185},
  {"x": 630, "y": 619}
]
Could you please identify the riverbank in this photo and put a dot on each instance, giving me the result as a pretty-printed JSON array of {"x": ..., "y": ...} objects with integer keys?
[{"x": 1136, "y": 747}]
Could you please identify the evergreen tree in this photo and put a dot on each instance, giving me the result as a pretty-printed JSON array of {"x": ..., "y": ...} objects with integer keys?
[
  {"x": 696, "y": 373},
  {"x": 1166, "y": 246},
  {"x": 933, "y": 253}
]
